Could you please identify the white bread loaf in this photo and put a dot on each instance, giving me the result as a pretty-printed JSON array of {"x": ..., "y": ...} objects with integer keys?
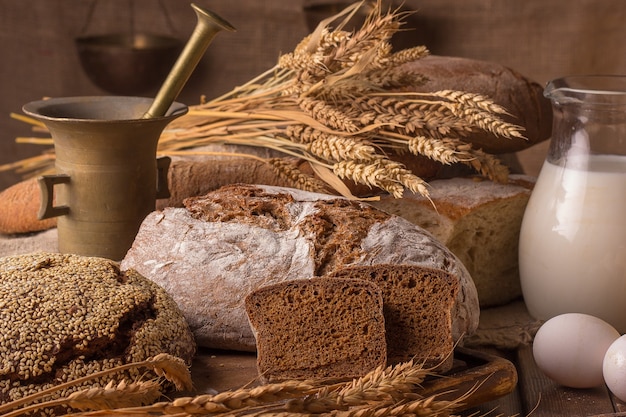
[
  {"x": 479, "y": 221},
  {"x": 318, "y": 328},
  {"x": 230, "y": 242}
]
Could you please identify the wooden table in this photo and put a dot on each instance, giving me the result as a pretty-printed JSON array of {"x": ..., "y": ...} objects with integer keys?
[
  {"x": 538, "y": 396},
  {"x": 534, "y": 394}
]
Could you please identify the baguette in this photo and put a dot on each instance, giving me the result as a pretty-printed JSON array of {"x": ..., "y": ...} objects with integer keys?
[{"x": 19, "y": 206}]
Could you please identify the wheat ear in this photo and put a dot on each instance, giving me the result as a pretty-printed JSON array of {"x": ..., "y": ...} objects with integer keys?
[
  {"x": 167, "y": 366},
  {"x": 393, "y": 383},
  {"x": 289, "y": 172},
  {"x": 426, "y": 407}
]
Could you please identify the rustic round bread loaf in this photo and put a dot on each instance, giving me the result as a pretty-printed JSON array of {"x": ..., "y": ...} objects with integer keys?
[
  {"x": 221, "y": 246},
  {"x": 65, "y": 316}
]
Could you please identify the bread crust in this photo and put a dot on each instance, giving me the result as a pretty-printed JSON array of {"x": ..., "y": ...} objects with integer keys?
[{"x": 19, "y": 206}]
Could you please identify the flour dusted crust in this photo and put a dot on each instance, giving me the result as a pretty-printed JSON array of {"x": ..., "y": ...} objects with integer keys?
[{"x": 226, "y": 244}]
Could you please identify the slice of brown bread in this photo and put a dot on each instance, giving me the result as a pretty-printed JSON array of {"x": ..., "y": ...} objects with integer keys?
[
  {"x": 418, "y": 304},
  {"x": 317, "y": 328}
]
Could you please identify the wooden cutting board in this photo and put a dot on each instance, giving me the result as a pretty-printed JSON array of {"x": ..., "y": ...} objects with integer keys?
[
  {"x": 482, "y": 377},
  {"x": 479, "y": 376}
]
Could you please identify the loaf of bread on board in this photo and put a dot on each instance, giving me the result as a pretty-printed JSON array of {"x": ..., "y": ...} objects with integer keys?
[
  {"x": 479, "y": 221},
  {"x": 221, "y": 246},
  {"x": 318, "y": 328}
]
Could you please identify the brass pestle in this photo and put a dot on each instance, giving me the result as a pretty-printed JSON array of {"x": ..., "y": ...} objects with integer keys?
[{"x": 207, "y": 26}]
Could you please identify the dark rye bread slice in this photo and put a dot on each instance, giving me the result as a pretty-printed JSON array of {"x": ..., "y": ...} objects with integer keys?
[
  {"x": 418, "y": 304},
  {"x": 317, "y": 328}
]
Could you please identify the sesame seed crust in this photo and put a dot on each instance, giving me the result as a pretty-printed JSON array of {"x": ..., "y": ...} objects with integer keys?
[{"x": 65, "y": 316}]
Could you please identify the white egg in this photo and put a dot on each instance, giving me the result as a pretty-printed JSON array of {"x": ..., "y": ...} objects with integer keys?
[
  {"x": 614, "y": 368},
  {"x": 570, "y": 349}
]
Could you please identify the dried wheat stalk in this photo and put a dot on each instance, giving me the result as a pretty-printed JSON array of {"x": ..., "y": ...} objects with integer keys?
[
  {"x": 330, "y": 102},
  {"x": 391, "y": 391},
  {"x": 393, "y": 385},
  {"x": 122, "y": 394},
  {"x": 382, "y": 392}
]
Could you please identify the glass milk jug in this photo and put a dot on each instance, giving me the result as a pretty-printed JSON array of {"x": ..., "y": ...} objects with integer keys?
[{"x": 572, "y": 249}]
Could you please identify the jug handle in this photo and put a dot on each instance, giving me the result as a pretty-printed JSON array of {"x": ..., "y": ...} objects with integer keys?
[
  {"x": 46, "y": 186},
  {"x": 163, "y": 165}
]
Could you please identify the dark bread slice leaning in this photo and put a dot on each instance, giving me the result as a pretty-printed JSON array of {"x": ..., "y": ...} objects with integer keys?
[{"x": 417, "y": 304}]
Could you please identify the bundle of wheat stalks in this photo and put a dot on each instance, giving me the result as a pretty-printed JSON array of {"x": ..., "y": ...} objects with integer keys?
[
  {"x": 336, "y": 101},
  {"x": 394, "y": 391}
]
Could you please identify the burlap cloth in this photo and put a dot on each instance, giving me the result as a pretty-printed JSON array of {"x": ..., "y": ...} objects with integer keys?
[
  {"x": 539, "y": 39},
  {"x": 28, "y": 243},
  {"x": 504, "y": 327}
]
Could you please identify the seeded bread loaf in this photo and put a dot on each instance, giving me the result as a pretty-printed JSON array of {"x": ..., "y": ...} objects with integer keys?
[
  {"x": 65, "y": 316},
  {"x": 479, "y": 221},
  {"x": 417, "y": 305},
  {"x": 318, "y": 328},
  {"x": 229, "y": 242}
]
